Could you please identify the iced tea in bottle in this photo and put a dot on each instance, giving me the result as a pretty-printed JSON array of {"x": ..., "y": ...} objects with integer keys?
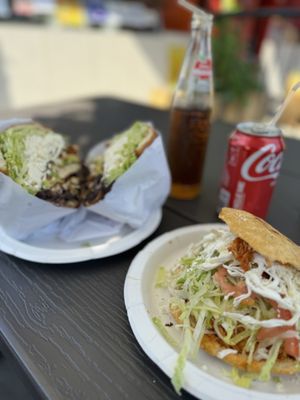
[{"x": 190, "y": 112}]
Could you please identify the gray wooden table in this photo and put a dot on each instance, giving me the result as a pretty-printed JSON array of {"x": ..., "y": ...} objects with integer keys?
[{"x": 64, "y": 329}]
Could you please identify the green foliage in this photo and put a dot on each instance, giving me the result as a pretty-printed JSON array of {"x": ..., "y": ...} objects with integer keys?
[{"x": 235, "y": 76}]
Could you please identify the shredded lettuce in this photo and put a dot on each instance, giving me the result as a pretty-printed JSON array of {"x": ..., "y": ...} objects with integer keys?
[
  {"x": 27, "y": 150},
  {"x": 251, "y": 346},
  {"x": 178, "y": 376},
  {"x": 161, "y": 278},
  {"x": 276, "y": 379},
  {"x": 120, "y": 155},
  {"x": 198, "y": 332},
  {"x": 2, "y": 162},
  {"x": 162, "y": 329},
  {"x": 243, "y": 380},
  {"x": 265, "y": 373},
  {"x": 12, "y": 145}
]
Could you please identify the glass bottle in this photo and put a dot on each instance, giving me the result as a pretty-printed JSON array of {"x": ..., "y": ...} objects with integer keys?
[{"x": 191, "y": 112}]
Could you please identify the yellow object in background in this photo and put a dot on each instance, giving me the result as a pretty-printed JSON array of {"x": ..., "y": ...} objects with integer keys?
[
  {"x": 229, "y": 5},
  {"x": 292, "y": 78},
  {"x": 291, "y": 115},
  {"x": 175, "y": 60},
  {"x": 71, "y": 13},
  {"x": 161, "y": 97}
]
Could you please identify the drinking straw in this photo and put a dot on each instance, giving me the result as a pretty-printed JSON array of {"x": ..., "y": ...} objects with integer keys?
[
  {"x": 282, "y": 107},
  {"x": 195, "y": 10}
]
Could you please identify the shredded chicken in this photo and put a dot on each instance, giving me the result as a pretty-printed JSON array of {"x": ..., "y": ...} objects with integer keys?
[{"x": 242, "y": 252}]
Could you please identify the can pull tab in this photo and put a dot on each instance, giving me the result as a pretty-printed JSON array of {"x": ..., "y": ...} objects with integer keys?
[
  {"x": 195, "y": 10},
  {"x": 288, "y": 98}
]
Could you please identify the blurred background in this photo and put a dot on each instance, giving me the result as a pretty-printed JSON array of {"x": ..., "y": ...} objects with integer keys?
[{"x": 61, "y": 50}]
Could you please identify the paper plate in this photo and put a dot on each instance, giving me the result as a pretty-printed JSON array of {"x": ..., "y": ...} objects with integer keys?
[
  {"x": 55, "y": 251},
  {"x": 205, "y": 377}
]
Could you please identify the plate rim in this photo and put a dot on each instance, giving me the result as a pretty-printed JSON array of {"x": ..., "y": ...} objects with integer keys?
[
  {"x": 29, "y": 252},
  {"x": 143, "y": 329}
]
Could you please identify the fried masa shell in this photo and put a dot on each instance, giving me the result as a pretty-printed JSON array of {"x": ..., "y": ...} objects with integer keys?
[
  {"x": 274, "y": 246},
  {"x": 262, "y": 237},
  {"x": 212, "y": 345}
]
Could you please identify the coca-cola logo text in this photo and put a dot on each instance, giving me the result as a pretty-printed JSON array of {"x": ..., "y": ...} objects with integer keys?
[
  {"x": 262, "y": 165},
  {"x": 203, "y": 68}
]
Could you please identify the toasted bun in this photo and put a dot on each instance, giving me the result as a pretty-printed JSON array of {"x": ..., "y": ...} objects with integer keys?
[
  {"x": 262, "y": 237},
  {"x": 152, "y": 135},
  {"x": 33, "y": 124},
  {"x": 3, "y": 168},
  {"x": 212, "y": 345}
]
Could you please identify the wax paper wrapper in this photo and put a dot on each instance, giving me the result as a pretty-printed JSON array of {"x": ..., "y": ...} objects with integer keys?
[
  {"x": 142, "y": 189},
  {"x": 133, "y": 197}
]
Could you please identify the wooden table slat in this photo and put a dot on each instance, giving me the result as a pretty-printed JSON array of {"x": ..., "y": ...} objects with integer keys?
[{"x": 67, "y": 325}]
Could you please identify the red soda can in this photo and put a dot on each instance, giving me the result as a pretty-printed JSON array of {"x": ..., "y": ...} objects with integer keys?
[{"x": 252, "y": 165}]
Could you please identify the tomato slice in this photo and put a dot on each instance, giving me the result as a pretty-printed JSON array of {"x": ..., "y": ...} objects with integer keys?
[
  {"x": 290, "y": 345},
  {"x": 220, "y": 278},
  {"x": 268, "y": 333}
]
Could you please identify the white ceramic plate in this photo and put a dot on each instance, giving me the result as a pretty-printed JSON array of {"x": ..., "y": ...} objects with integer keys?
[
  {"x": 204, "y": 377},
  {"x": 55, "y": 251}
]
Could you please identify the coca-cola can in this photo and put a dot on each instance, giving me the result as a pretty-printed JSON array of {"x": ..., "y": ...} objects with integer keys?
[{"x": 252, "y": 165}]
